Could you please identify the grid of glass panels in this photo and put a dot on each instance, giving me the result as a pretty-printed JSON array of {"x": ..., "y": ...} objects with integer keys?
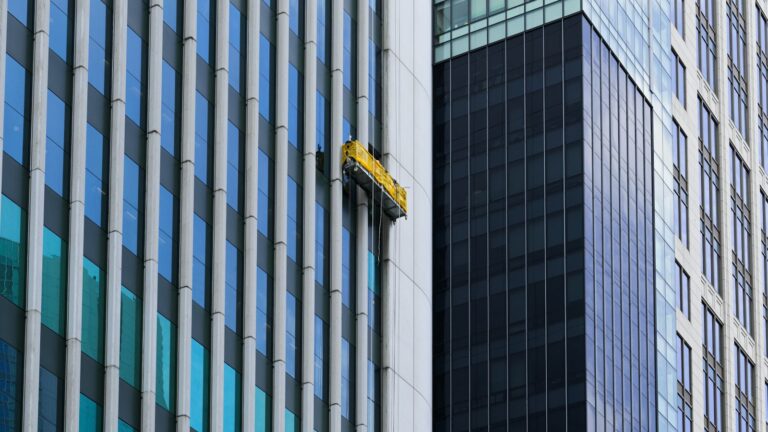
[
  {"x": 706, "y": 45},
  {"x": 710, "y": 195},
  {"x": 684, "y": 386},
  {"x": 714, "y": 384},
  {"x": 680, "y": 167},
  {"x": 736, "y": 65},
  {"x": 741, "y": 241},
  {"x": 744, "y": 380}
]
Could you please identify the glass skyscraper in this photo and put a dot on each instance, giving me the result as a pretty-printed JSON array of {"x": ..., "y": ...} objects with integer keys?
[{"x": 179, "y": 246}]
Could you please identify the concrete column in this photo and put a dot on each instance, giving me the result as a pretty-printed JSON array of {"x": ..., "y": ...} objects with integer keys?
[
  {"x": 152, "y": 216},
  {"x": 115, "y": 216},
  {"x": 3, "y": 39},
  {"x": 186, "y": 211},
  {"x": 76, "y": 218},
  {"x": 361, "y": 250},
  {"x": 337, "y": 107},
  {"x": 250, "y": 216},
  {"x": 310, "y": 185},
  {"x": 221, "y": 107},
  {"x": 281, "y": 217},
  {"x": 39, "y": 113}
]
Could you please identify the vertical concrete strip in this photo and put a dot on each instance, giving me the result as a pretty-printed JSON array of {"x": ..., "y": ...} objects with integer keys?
[
  {"x": 221, "y": 107},
  {"x": 251, "y": 227},
  {"x": 186, "y": 211},
  {"x": 115, "y": 216},
  {"x": 361, "y": 250},
  {"x": 281, "y": 217},
  {"x": 76, "y": 218},
  {"x": 310, "y": 186},
  {"x": 152, "y": 216},
  {"x": 36, "y": 211},
  {"x": 337, "y": 107}
]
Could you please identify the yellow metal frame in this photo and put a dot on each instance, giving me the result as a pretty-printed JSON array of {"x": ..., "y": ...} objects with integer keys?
[{"x": 355, "y": 151}]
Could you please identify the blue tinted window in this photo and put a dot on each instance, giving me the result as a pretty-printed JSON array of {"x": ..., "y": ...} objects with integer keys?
[
  {"x": 320, "y": 124},
  {"x": 319, "y": 355},
  {"x": 346, "y": 268},
  {"x": 123, "y": 426},
  {"x": 198, "y": 400},
  {"x": 263, "y": 411},
  {"x": 295, "y": 117},
  {"x": 10, "y": 391},
  {"x": 98, "y": 60},
  {"x": 232, "y": 282},
  {"x": 49, "y": 406},
  {"x": 94, "y": 171},
  {"x": 294, "y": 237},
  {"x": 291, "y": 422},
  {"x": 13, "y": 254},
  {"x": 90, "y": 415},
  {"x": 201, "y": 137},
  {"x": 373, "y": 66},
  {"x": 134, "y": 84},
  {"x": 265, "y": 165},
  {"x": 231, "y": 400},
  {"x": 166, "y": 364},
  {"x": 235, "y": 43},
  {"x": 265, "y": 78},
  {"x": 294, "y": 18},
  {"x": 348, "y": 47},
  {"x": 166, "y": 241},
  {"x": 200, "y": 261},
  {"x": 346, "y": 379},
  {"x": 94, "y": 287},
  {"x": 319, "y": 244},
  {"x": 56, "y": 150},
  {"x": 130, "y": 338},
  {"x": 54, "y": 282},
  {"x": 19, "y": 9},
  {"x": 168, "y": 114},
  {"x": 16, "y": 123},
  {"x": 373, "y": 291},
  {"x": 234, "y": 146},
  {"x": 59, "y": 31},
  {"x": 322, "y": 37},
  {"x": 291, "y": 324},
  {"x": 263, "y": 327},
  {"x": 204, "y": 29},
  {"x": 131, "y": 204},
  {"x": 171, "y": 13}
]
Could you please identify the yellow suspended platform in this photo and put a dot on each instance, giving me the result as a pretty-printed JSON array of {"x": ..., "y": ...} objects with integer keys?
[{"x": 368, "y": 171}]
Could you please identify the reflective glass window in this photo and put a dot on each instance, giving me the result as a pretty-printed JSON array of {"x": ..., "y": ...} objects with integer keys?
[
  {"x": 294, "y": 17},
  {"x": 348, "y": 47},
  {"x": 199, "y": 394},
  {"x": 17, "y": 103},
  {"x": 54, "y": 305},
  {"x": 99, "y": 62},
  {"x": 320, "y": 241},
  {"x": 236, "y": 22},
  {"x": 20, "y": 10},
  {"x": 57, "y": 147},
  {"x": 234, "y": 149},
  {"x": 321, "y": 127},
  {"x": 291, "y": 324},
  {"x": 265, "y": 166},
  {"x": 319, "y": 356},
  {"x": 166, "y": 241},
  {"x": 204, "y": 43},
  {"x": 232, "y": 403},
  {"x": 322, "y": 30},
  {"x": 10, "y": 391},
  {"x": 680, "y": 169},
  {"x": 169, "y": 118},
  {"x": 232, "y": 282},
  {"x": 90, "y": 415},
  {"x": 292, "y": 423},
  {"x": 124, "y": 427},
  {"x": 347, "y": 390},
  {"x": 130, "y": 338},
  {"x": 263, "y": 411},
  {"x": 171, "y": 14},
  {"x": 134, "y": 79},
  {"x": 347, "y": 282},
  {"x": 166, "y": 364},
  {"x": 13, "y": 252},
  {"x": 60, "y": 24},
  {"x": 95, "y": 189},
  {"x": 294, "y": 209},
  {"x": 94, "y": 287},
  {"x": 132, "y": 199},
  {"x": 266, "y": 72},
  {"x": 200, "y": 279},
  {"x": 202, "y": 120},
  {"x": 706, "y": 37},
  {"x": 50, "y": 406},
  {"x": 263, "y": 326},
  {"x": 295, "y": 99}
]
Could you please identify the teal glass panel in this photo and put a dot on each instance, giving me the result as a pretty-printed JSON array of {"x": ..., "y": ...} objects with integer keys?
[
  {"x": 10, "y": 387},
  {"x": 232, "y": 403},
  {"x": 198, "y": 400},
  {"x": 54, "y": 282},
  {"x": 291, "y": 422},
  {"x": 130, "y": 338},
  {"x": 13, "y": 251},
  {"x": 263, "y": 411},
  {"x": 94, "y": 286},
  {"x": 90, "y": 415},
  {"x": 166, "y": 364},
  {"x": 123, "y": 426}
]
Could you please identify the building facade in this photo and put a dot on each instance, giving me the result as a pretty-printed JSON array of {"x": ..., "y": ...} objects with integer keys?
[
  {"x": 179, "y": 247},
  {"x": 553, "y": 241}
]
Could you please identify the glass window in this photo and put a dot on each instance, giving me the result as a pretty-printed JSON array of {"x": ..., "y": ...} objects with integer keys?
[
  {"x": 130, "y": 338},
  {"x": 134, "y": 79},
  {"x": 265, "y": 174},
  {"x": 295, "y": 99},
  {"x": 347, "y": 390},
  {"x": 50, "y": 406},
  {"x": 294, "y": 209},
  {"x": 319, "y": 355},
  {"x": 17, "y": 102},
  {"x": 710, "y": 202},
  {"x": 680, "y": 168},
  {"x": 321, "y": 127},
  {"x": 713, "y": 370},
  {"x": 94, "y": 286},
  {"x": 684, "y": 390},
  {"x": 736, "y": 64},
  {"x": 200, "y": 279},
  {"x": 741, "y": 241},
  {"x": 200, "y": 380},
  {"x": 204, "y": 42},
  {"x": 235, "y": 42},
  {"x": 291, "y": 324},
  {"x": 90, "y": 415},
  {"x": 168, "y": 114},
  {"x": 291, "y": 422},
  {"x": 266, "y": 72},
  {"x": 744, "y": 377},
  {"x": 679, "y": 79},
  {"x": 171, "y": 14},
  {"x": 20, "y": 10},
  {"x": 10, "y": 391},
  {"x": 322, "y": 31},
  {"x": 231, "y": 400},
  {"x": 59, "y": 28},
  {"x": 347, "y": 282},
  {"x": 54, "y": 301},
  {"x": 761, "y": 86},
  {"x": 348, "y": 45},
  {"x": 57, "y": 147},
  {"x": 679, "y": 17},
  {"x": 132, "y": 199},
  {"x": 202, "y": 120},
  {"x": 123, "y": 426},
  {"x": 263, "y": 307},
  {"x": 234, "y": 148},
  {"x": 166, "y": 260},
  {"x": 95, "y": 189},
  {"x": 294, "y": 17},
  {"x": 232, "y": 282},
  {"x": 706, "y": 45},
  {"x": 683, "y": 282},
  {"x": 373, "y": 80},
  {"x": 13, "y": 252},
  {"x": 99, "y": 63},
  {"x": 166, "y": 364},
  {"x": 319, "y": 244},
  {"x": 263, "y": 411}
]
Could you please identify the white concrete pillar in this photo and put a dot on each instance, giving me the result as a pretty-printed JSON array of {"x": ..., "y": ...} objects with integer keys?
[
  {"x": 337, "y": 107},
  {"x": 76, "y": 218},
  {"x": 361, "y": 249},
  {"x": 186, "y": 212},
  {"x": 152, "y": 216},
  {"x": 250, "y": 216},
  {"x": 115, "y": 216},
  {"x": 281, "y": 217},
  {"x": 310, "y": 185},
  {"x": 221, "y": 108},
  {"x": 39, "y": 113}
]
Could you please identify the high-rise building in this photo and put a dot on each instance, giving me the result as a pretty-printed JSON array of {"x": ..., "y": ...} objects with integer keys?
[
  {"x": 180, "y": 248},
  {"x": 553, "y": 235}
]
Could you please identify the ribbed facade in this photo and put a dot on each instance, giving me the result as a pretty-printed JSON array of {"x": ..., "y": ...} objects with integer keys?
[{"x": 179, "y": 247}]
